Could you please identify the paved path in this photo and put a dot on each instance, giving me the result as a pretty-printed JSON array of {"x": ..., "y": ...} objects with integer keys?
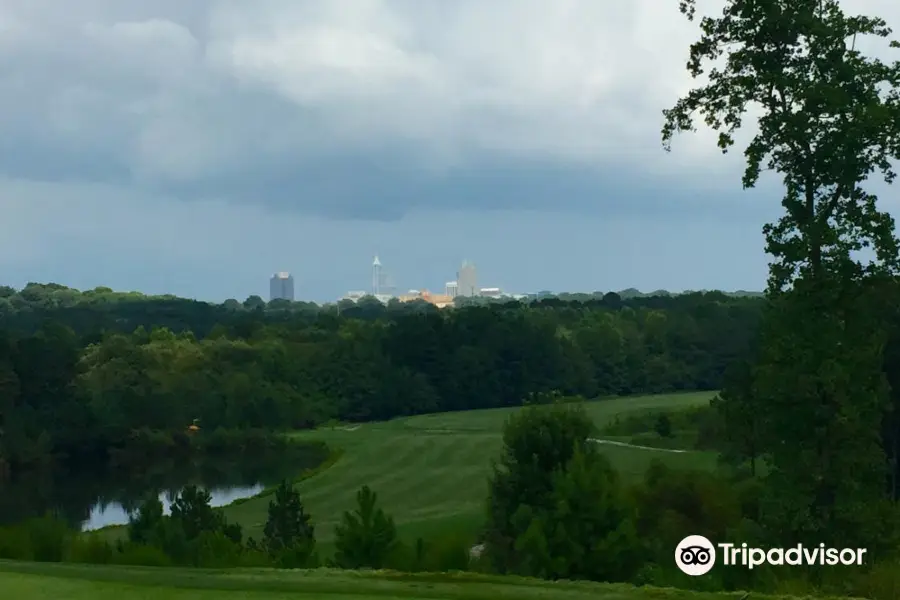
[
  {"x": 595, "y": 440},
  {"x": 627, "y": 445}
]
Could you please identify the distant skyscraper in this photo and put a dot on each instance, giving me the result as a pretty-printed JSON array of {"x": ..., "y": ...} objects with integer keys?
[
  {"x": 281, "y": 287},
  {"x": 466, "y": 280},
  {"x": 377, "y": 277}
]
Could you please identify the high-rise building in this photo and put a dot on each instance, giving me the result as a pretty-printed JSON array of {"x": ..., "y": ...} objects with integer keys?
[
  {"x": 377, "y": 277},
  {"x": 281, "y": 287},
  {"x": 451, "y": 288},
  {"x": 467, "y": 280}
]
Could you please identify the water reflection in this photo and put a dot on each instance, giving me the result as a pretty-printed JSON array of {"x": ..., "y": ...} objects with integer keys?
[
  {"x": 104, "y": 514},
  {"x": 94, "y": 498}
]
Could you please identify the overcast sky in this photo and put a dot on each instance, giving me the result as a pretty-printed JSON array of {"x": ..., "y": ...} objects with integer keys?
[{"x": 196, "y": 146}]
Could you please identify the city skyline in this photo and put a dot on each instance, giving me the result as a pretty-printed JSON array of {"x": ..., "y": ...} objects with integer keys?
[
  {"x": 380, "y": 288},
  {"x": 464, "y": 285},
  {"x": 315, "y": 158},
  {"x": 298, "y": 292}
]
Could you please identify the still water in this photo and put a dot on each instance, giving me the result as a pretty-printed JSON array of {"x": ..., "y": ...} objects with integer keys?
[
  {"x": 94, "y": 498},
  {"x": 114, "y": 513}
]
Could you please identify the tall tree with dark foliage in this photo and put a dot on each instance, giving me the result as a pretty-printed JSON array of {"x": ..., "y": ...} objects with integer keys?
[{"x": 829, "y": 121}]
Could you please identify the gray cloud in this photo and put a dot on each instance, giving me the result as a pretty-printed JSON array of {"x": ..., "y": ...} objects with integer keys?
[
  {"x": 359, "y": 108},
  {"x": 347, "y": 108}
]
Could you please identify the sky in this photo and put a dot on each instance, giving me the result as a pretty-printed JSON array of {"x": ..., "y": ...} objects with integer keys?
[{"x": 196, "y": 147}]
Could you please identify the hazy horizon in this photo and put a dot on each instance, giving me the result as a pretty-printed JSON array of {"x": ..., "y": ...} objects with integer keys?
[
  {"x": 195, "y": 148},
  {"x": 265, "y": 297}
]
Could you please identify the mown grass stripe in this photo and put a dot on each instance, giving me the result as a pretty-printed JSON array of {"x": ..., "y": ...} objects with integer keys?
[
  {"x": 438, "y": 465},
  {"x": 37, "y": 581}
]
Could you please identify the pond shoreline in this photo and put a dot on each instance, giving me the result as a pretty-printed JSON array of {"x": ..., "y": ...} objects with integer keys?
[
  {"x": 334, "y": 455},
  {"x": 235, "y": 465},
  {"x": 144, "y": 447}
]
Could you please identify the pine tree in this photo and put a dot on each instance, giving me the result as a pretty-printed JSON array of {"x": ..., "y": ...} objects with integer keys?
[
  {"x": 288, "y": 536},
  {"x": 367, "y": 536}
]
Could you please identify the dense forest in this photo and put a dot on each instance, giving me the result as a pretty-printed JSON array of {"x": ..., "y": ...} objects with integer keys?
[{"x": 82, "y": 372}]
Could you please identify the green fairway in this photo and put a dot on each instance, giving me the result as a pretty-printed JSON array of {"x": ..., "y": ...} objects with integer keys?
[
  {"x": 430, "y": 471},
  {"x": 41, "y": 581}
]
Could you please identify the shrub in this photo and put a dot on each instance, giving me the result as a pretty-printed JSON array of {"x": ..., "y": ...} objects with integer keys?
[
  {"x": 663, "y": 426},
  {"x": 881, "y": 582},
  {"x": 49, "y": 537},
  {"x": 141, "y": 555},
  {"x": 213, "y": 549},
  {"x": 91, "y": 549},
  {"x": 450, "y": 553},
  {"x": 15, "y": 543}
]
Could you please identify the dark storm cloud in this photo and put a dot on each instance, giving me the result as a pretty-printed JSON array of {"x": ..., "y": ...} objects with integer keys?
[
  {"x": 386, "y": 186},
  {"x": 361, "y": 110}
]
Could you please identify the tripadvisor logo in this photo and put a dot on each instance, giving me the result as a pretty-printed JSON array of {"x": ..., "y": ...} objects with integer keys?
[{"x": 696, "y": 555}]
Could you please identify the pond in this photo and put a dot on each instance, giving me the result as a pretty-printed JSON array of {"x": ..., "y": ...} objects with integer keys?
[
  {"x": 92, "y": 499},
  {"x": 115, "y": 513}
]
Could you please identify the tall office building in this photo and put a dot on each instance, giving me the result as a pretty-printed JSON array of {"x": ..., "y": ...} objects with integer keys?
[
  {"x": 377, "y": 277},
  {"x": 281, "y": 287},
  {"x": 466, "y": 280}
]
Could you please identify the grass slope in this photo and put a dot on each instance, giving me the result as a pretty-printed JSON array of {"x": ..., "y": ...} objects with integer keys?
[
  {"x": 430, "y": 471},
  {"x": 41, "y": 581}
]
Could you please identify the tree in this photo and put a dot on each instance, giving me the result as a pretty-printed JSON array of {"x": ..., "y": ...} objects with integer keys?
[
  {"x": 254, "y": 302},
  {"x": 663, "y": 426},
  {"x": 586, "y": 531},
  {"x": 827, "y": 123},
  {"x": 674, "y": 503},
  {"x": 365, "y": 537},
  {"x": 891, "y": 427},
  {"x": 9, "y": 398},
  {"x": 538, "y": 442},
  {"x": 145, "y": 526},
  {"x": 191, "y": 509},
  {"x": 829, "y": 120},
  {"x": 741, "y": 416},
  {"x": 150, "y": 527},
  {"x": 288, "y": 535}
]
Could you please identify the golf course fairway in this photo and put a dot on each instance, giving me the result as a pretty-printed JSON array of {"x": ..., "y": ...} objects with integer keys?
[
  {"x": 42, "y": 581},
  {"x": 430, "y": 471}
]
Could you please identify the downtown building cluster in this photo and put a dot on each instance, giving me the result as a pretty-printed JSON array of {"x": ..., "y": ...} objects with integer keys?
[{"x": 465, "y": 285}]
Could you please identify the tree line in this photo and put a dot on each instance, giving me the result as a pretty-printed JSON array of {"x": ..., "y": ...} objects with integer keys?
[{"x": 78, "y": 386}]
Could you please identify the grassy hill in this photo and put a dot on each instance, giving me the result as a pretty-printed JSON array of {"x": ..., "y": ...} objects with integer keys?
[
  {"x": 37, "y": 581},
  {"x": 430, "y": 471}
]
